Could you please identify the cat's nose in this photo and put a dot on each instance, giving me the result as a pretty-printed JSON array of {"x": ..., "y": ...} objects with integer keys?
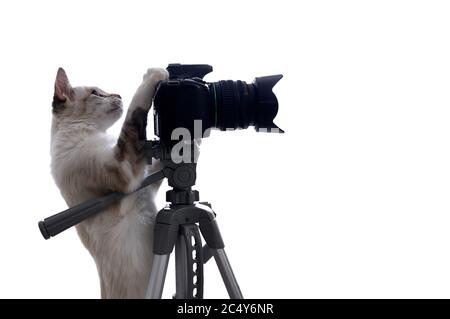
[{"x": 116, "y": 95}]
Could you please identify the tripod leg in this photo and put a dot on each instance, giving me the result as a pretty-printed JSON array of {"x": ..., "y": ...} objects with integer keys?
[
  {"x": 189, "y": 263},
  {"x": 181, "y": 268},
  {"x": 157, "y": 276},
  {"x": 227, "y": 274}
]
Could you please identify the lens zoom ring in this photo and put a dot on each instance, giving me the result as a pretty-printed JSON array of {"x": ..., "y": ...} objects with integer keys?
[{"x": 227, "y": 112}]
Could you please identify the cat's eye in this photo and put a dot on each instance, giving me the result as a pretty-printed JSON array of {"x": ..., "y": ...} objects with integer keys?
[{"x": 95, "y": 92}]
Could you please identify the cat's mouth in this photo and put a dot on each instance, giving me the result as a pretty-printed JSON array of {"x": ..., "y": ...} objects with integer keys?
[{"x": 116, "y": 106}]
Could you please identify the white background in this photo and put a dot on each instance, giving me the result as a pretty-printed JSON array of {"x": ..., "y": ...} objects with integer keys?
[{"x": 353, "y": 201}]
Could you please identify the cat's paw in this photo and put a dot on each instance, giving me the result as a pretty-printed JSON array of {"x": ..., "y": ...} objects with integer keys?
[
  {"x": 154, "y": 75},
  {"x": 144, "y": 94}
]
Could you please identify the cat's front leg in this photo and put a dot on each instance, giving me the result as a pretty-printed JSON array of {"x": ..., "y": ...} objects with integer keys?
[
  {"x": 145, "y": 92},
  {"x": 136, "y": 119},
  {"x": 129, "y": 150}
]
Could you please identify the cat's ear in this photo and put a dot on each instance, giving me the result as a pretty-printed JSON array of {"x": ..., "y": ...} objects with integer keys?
[{"x": 63, "y": 89}]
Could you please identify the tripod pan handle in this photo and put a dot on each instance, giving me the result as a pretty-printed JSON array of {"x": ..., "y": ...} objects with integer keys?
[{"x": 53, "y": 225}]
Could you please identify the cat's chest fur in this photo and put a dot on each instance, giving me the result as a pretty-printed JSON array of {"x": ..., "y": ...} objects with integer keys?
[{"x": 119, "y": 238}]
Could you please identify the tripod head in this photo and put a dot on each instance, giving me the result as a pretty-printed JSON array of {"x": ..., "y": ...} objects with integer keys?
[
  {"x": 181, "y": 176},
  {"x": 181, "y": 173}
]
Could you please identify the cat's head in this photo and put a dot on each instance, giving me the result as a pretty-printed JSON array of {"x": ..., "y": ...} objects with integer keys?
[{"x": 83, "y": 104}]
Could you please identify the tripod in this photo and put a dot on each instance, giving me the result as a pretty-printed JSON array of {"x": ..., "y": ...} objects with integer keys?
[{"x": 179, "y": 225}]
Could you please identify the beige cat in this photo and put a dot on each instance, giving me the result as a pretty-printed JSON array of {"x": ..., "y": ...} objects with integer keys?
[{"x": 87, "y": 163}]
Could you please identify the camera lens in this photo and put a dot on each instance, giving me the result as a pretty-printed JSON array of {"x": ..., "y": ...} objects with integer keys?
[
  {"x": 238, "y": 105},
  {"x": 185, "y": 100}
]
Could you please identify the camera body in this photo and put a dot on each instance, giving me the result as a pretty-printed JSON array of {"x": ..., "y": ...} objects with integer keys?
[
  {"x": 186, "y": 101},
  {"x": 180, "y": 100}
]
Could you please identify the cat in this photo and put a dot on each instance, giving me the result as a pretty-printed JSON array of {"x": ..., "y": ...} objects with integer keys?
[{"x": 86, "y": 162}]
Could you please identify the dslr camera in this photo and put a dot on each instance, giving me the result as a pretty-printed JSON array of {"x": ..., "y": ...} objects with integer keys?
[{"x": 185, "y": 99}]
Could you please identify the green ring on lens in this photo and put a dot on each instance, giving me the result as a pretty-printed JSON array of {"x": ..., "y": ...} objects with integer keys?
[{"x": 215, "y": 105}]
